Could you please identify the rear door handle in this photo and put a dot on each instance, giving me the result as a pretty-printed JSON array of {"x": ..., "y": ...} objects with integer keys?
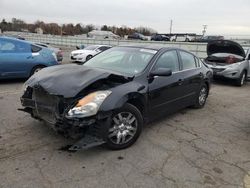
[
  {"x": 30, "y": 57},
  {"x": 180, "y": 82}
]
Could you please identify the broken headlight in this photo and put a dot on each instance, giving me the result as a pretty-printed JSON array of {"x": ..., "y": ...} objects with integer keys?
[{"x": 89, "y": 105}]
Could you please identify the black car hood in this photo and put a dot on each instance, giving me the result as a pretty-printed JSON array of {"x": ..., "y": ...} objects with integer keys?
[
  {"x": 225, "y": 46},
  {"x": 67, "y": 80}
]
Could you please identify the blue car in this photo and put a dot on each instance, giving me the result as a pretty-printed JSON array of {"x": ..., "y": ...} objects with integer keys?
[{"x": 21, "y": 59}]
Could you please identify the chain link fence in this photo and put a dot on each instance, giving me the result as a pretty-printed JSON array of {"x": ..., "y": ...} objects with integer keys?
[{"x": 198, "y": 49}]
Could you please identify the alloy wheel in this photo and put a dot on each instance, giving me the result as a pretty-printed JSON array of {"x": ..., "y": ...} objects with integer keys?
[
  {"x": 123, "y": 129},
  {"x": 202, "y": 96}
]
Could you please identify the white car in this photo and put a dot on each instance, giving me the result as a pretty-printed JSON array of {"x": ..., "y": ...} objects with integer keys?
[
  {"x": 182, "y": 38},
  {"x": 87, "y": 53}
]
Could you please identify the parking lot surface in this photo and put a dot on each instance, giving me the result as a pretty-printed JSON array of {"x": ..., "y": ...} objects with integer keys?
[{"x": 191, "y": 148}]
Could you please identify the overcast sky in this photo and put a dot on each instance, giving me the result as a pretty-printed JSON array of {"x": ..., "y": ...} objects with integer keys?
[{"x": 221, "y": 16}]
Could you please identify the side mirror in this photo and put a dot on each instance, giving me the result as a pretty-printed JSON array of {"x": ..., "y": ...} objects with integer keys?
[{"x": 161, "y": 72}]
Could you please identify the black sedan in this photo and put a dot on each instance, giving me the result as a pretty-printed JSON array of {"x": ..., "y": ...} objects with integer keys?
[{"x": 109, "y": 98}]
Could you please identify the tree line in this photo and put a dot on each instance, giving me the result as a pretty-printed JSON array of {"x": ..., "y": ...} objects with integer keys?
[{"x": 68, "y": 29}]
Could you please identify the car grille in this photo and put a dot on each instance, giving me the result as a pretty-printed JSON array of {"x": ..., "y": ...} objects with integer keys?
[
  {"x": 46, "y": 105},
  {"x": 215, "y": 70}
]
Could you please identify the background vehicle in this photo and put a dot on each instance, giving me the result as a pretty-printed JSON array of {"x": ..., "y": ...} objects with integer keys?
[
  {"x": 159, "y": 37},
  {"x": 58, "y": 51},
  {"x": 182, "y": 38},
  {"x": 228, "y": 60},
  {"x": 137, "y": 36},
  {"x": 21, "y": 59},
  {"x": 87, "y": 53},
  {"x": 210, "y": 38},
  {"x": 110, "y": 97}
]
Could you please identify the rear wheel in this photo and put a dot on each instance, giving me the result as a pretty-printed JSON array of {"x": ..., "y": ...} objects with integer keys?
[
  {"x": 36, "y": 69},
  {"x": 125, "y": 128},
  {"x": 242, "y": 79},
  {"x": 201, "y": 97}
]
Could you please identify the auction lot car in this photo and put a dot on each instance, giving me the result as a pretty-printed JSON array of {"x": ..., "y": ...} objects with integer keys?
[
  {"x": 228, "y": 60},
  {"x": 21, "y": 59},
  {"x": 160, "y": 37},
  {"x": 110, "y": 97},
  {"x": 58, "y": 51},
  {"x": 87, "y": 53}
]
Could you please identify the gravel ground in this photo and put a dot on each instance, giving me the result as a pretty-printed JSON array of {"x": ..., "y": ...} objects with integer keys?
[{"x": 209, "y": 147}]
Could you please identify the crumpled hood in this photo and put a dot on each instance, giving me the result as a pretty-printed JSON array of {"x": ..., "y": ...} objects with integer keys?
[
  {"x": 66, "y": 80},
  {"x": 225, "y": 46}
]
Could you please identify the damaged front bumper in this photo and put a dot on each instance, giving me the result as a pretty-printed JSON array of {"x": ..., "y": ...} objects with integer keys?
[
  {"x": 229, "y": 73},
  {"x": 90, "y": 131}
]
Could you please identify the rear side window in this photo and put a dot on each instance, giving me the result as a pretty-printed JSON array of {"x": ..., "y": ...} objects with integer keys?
[
  {"x": 7, "y": 46},
  {"x": 35, "y": 49},
  {"x": 168, "y": 60},
  {"x": 188, "y": 60},
  {"x": 198, "y": 62}
]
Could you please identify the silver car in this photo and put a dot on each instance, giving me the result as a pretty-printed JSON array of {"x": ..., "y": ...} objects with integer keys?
[{"x": 229, "y": 60}]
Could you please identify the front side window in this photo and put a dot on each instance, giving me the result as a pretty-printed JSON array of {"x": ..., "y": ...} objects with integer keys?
[
  {"x": 90, "y": 48},
  {"x": 188, "y": 60},
  {"x": 168, "y": 60},
  {"x": 103, "y": 48}
]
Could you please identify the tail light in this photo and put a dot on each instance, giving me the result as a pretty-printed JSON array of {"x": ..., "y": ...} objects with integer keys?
[{"x": 60, "y": 53}]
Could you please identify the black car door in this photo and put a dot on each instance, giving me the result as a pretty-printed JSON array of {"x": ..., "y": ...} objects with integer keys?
[
  {"x": 165, "y": 92},
  {"x": 192, "y": 76}
]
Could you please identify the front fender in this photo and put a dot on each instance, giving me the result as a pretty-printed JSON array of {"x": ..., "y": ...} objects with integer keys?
[{"x": 123, "y": 93}]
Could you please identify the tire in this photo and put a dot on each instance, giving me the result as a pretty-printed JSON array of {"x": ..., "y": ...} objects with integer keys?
[
  {"x": 120, "y": 125},
  {"x": 201, "y": 98},
  {"x": 36, "y": 69},
  {"x": 88, "y": 57},
  {"x": 240, "y": 82}
]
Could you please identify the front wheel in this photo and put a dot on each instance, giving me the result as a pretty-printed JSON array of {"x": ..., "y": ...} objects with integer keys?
[
  {"x": 201, "y": 97},
  {"x": 88, "y": 57},
  {"x": 125, "y": 128},
  {"x": 242, "y": 79}
]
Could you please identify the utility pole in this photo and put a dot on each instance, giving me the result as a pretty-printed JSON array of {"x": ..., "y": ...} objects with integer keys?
[
  {"x": 204, "y": 30},
  {"x": 171, "y": 25}
]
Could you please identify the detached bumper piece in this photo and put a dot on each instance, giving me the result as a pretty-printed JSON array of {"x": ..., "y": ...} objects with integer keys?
[{"x": 87, "y": 142}]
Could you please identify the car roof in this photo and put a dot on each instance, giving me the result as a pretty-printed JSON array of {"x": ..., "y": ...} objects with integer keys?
[
  {"x": 100, "y": 45},
  {"x": 14, "y": 39},
  {"x": 151, "y": 47}
]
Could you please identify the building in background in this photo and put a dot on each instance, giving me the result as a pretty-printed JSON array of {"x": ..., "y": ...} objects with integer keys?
[{"x": 39, "y": 30}]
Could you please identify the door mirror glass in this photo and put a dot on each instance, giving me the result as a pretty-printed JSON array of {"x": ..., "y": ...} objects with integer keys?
[{"x": 161, "y": 72}]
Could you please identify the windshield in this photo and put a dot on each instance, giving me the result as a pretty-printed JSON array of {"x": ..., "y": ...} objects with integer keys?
[
  {"x": 123, "y": 59},
  {"x": 90, "y": 48}
]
